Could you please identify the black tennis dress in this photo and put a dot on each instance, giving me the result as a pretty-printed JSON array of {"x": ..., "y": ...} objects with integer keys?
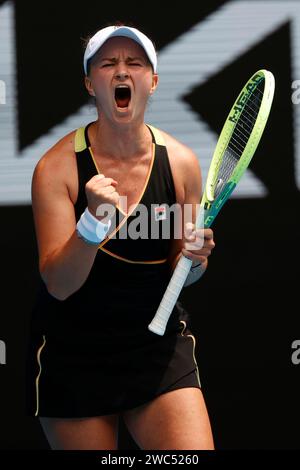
[{"x": 92, "y": 354}]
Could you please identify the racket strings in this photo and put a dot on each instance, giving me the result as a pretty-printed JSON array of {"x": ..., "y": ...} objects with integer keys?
[
  {"x": 239, "y": 138},
  {"x": 228, "y": 164},
  {"x": 246, "y": 121}
]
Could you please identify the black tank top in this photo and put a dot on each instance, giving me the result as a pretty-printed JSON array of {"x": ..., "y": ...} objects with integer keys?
[
  {"x": 157, "y": 197},
  {"x": 129, "y": 276}
]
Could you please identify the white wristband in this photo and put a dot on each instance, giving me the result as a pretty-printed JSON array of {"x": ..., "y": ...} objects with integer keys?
[{"x": 90, "y": 229}]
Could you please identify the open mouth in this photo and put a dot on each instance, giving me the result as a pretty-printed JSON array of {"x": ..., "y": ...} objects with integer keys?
[{"x": 122, "y": 96}]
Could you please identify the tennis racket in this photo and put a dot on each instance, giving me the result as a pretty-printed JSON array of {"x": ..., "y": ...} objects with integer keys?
[{"x": 236, "y": 145}]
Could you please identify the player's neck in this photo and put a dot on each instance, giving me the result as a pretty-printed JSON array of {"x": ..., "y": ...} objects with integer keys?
[{"x": 121, "y": 142}]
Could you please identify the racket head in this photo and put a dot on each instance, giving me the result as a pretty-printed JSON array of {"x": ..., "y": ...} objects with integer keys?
[{"x": 238, "y": 141}]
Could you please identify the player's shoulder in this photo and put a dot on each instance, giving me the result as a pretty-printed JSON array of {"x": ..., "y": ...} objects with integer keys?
[
  {"x": 179, "y": 153},
  {"x": 184, "y": 165},
  {"x": 58, "y": 156}
]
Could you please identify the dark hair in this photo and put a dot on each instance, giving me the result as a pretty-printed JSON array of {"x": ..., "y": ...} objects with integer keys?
[{"x": 86, "y": 39}]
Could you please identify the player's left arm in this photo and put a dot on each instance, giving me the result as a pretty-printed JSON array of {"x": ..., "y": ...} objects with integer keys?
[{"x": 194, "y": 244}]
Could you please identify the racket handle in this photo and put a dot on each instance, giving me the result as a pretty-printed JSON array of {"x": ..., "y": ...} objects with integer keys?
[
  {"x": 160, "y": 320},
  {"x": 159, "y": 323}
]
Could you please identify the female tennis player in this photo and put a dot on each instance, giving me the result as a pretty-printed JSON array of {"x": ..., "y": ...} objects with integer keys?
[{"x": 92, "y": 358}]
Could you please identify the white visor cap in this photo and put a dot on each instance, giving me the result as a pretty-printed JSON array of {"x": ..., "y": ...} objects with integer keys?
[{"x": 104, "y": 34}]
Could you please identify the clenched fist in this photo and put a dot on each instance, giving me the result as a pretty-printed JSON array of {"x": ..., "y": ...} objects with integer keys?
[
  {"x": 102, "y": 196},
  {"x": 198, "y": 243}
]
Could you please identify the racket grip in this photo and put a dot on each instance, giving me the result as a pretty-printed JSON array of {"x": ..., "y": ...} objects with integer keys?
[{"x": 160, "y": 320}]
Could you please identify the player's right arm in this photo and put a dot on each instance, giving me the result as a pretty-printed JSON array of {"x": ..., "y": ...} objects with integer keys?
[{"x": 65, "y": 260}]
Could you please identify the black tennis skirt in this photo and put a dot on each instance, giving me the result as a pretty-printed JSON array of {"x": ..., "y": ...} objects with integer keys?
[{"x": 67, "y": 378}]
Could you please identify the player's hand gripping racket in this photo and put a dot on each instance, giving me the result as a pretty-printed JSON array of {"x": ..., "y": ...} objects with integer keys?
[{"x": 237, "y": 143}]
